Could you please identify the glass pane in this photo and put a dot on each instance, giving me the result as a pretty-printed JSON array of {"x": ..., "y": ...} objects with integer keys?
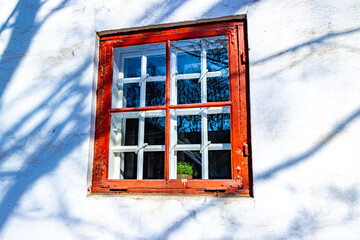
[
  {"x": 217, "y": 53},
  {"x": 219, "y": 128},
  {"x": 189, "y": 129},
  {"x": 155, "y": 93},
  {"x": 130, "y": 165},
  {"x": 155, "y": 131},
  {"x": 132, "y": 67},
  {"x": 189, "y": 162},
  {"x": 188, "y": 60},
  {"x": 220, "y": 164},
  {"x": 156, "y": 65},
  {"x": 188, "y": 91},
  {"x": 131, "y": 93},
  {"x": 218, "y": 89},
  {"x": 154, "y": 165},
  {"x": 136, "y": 68},
  {"x": 131, "y": 132}
]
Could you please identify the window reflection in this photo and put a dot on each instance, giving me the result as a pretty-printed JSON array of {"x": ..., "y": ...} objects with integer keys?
[
  {"x": 219, "y": 164},
  {"x": 156, "y": 65},
  {"x": 155, "y": 130},
  {"x": 155, "y": 93},
  {"x": 188, "y": 62},
  {"x": 131, "y": 134},
  {"x": 188, "y": 91},
  {"x": 219, "y": 128},
  {"x": 131, "y": 93},
  {"x": 202, "y": 58},
  {"x": 218, "y": 89},
  {"x": 154, "y": 165},
  {"x": 189, "y": 129},
  {"x": 132, "y": 67},
  {"x": 130, "y": 165}
]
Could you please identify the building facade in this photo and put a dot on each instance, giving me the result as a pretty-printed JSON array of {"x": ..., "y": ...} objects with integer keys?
[{"x": 304, "y": 115}]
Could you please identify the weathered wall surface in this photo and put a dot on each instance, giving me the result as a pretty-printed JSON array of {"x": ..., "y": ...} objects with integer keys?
[{"x": 305, "y": 107}]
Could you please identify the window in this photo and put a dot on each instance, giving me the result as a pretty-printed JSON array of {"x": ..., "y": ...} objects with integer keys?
[{"x": 172, "y": 98}]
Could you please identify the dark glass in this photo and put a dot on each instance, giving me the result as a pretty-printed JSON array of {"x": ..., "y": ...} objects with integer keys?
[
  {"x": 220, "y": 164},
  {"x": 217, "y": 54},
  {"x": 132, "y": 94},
  {"x": 156, "y": 65},
  {"x": 154, "y": 165},
  {"x": 132, "y": 67},
  {"x": 193, "y": 158},
  {"x": 219, "y": 128},
  {"x": 188, "y": 91},
  {"x": 155, "y": 93},
  {"x": 130, "y": 165},
  {"x": 131, "y": 134},
  {"x": 218, "y": 89},
  {"x": 188, "y": 61},
  {"x": 189, "y": 129},
  {"x": 155, "y": 131}
]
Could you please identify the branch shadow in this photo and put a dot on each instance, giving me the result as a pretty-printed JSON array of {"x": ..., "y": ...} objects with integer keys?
[
  {"x": 316, "y": 41},
  {"x": 293, "y": 161},
  {"x": 16, "y": 49},
  {"x": 24, "y": 29},
  {"x": 38, "y": 163},
  {"x": 191, "y": 215}
]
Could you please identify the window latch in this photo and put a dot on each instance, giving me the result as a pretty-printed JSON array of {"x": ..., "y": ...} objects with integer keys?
[
  {"x": 142, "y": 80},
  {"x": 102, "y": 71},
  {"x": 141, "y": 147},
  {"x": 116, "y": 131},
  {"x": 174, "y": 74},
  {"x": 202, "y": 110},
  {"x": 206, "y": 72},
  {"x": 205, "y": 146},
  {"x": 243, "y": 57},
  {"x": 245, "y": 150}
]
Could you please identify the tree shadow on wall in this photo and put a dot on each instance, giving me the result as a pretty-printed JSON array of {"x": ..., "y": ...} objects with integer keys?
[
  {"x": 24, "y": 26},
  {"x": 293, "y": 161},
  {"x": 297, "y": 226},
  {"x": 53, "y": 146},
  {"x": 38, "y": 163}
]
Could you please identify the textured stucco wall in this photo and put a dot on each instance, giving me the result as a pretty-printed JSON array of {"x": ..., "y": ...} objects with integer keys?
[{"x": 305, "y": 107}]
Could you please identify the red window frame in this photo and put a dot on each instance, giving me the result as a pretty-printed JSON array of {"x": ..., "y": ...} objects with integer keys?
[{"x": 241, "y": 182}]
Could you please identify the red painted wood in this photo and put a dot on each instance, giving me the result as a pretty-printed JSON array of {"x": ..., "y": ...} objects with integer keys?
[
  {"x": 102, "y": 123},
  {"x": 239, "y": 112},
  {"x": 235, "y": 108},
  {"x": 175, "y": 33}
]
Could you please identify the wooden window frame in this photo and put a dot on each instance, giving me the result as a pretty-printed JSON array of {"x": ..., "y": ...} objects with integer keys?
[{"x": 235, "y": 28}]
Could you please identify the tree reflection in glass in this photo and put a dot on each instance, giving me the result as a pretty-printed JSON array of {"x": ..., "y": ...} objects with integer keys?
[
  {"x": 194, "y": 55},
  {"x": 155, "y": 91},
  {"x": 189, "y": 129}
]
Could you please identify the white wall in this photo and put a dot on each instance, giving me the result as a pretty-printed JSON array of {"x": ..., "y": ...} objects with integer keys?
[{"x": 305, "y": 107}]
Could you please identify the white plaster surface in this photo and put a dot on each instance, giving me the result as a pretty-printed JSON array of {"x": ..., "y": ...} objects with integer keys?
[{"x": 305, "y": 116}]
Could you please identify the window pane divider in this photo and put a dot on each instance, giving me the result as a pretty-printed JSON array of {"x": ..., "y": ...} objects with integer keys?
[
  {"x": 198, "y": 75},
  {"x": 204, "y": 120},
  {"x": 173, "y": 119},
  {"x": 138, "y": 79},
  {"x": 148, "y": 148},
  {"x": 200, "y": 105},
  {"x": 137, "y": 109},
  {"x": 197, "y": 111},
  {"x": 197, "y": 147},
  {"x": 141, "y": 136}
]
